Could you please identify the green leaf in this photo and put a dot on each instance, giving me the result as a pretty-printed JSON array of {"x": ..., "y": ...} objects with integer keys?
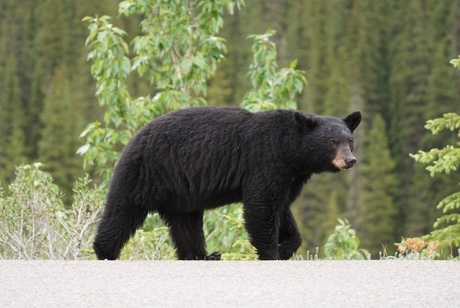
[
  {"x": 200, "y": 62},
  {"x": 186, "y": 65},
  {"x": 83, "y": 149}
]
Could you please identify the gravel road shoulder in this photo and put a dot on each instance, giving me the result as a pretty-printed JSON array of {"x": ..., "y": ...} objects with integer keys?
[{"x": 230, "y": 284}]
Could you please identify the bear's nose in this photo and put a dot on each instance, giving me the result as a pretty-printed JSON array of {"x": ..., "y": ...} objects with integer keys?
[{"x": 351, "y": 161}]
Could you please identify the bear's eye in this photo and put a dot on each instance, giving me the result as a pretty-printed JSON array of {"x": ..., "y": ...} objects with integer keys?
[{"x": 333, "y": 142}]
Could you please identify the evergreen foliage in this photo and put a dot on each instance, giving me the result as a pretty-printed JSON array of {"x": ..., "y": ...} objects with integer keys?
[
  {"x": 59, "y": 135},
  {"x": 376, "y": 206},
  {"x": 445, "y": 160},
  {"x": 12, "y": 145}
]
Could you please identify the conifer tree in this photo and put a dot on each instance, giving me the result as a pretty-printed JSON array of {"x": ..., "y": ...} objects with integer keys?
[
  {"x": 318, "y": 13},
  {"x": 408, "y": 80},
  {"x": 59, "y": 136},
  {"x": 297, "y": 24},
  {"x": 54, "y": 37},
  {"x": 442, "y": 98},
  {"x": 321, "y": 202},
  {"x": 366, "y": 40},
  {"x": 219, "y": 89},
  {"x": 375, "y": 223},
  {"x": 11, "y": 123},
  {"x": 237, "y": 28},
  {"x": 362, "y": 72},
  {"x": 51, "y": 46},
  {"x": 332, "y": 213},
  {"x": 317, "y": 59}
]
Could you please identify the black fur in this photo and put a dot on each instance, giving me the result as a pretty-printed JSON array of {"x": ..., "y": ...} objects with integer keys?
[{"x": 197, "y": 159}]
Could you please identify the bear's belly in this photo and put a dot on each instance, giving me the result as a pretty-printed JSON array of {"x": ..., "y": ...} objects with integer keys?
[{"x": 185, "y": 203}]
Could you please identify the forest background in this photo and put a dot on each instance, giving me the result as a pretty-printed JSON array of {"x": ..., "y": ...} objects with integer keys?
[{"x": 389, "y": 59}]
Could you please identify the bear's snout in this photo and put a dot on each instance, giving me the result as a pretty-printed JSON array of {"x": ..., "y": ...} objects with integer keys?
[
  {"x": 344, "y": 164},
  {"x": 351, "y": 161},
  {"x": 344, "y": 159}
]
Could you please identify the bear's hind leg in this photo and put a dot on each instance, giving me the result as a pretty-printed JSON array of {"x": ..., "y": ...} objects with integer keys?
[
  {"x": 187, "y": 234},
  {"x": 289, "y": 237},
  {"x": 115, "y": 229}
]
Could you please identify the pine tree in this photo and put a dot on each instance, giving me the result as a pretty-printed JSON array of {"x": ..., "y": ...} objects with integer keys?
[
  {"x": 11, "y": 123},
  {"x": 319, "y": 205},
  {"x": 219, "y": 89},
  {"x": 317, "y": 29},
  {"x": 318, "y": 14},
  {"x": 366, "y": 40},
  {"x": 442, "y": 98},
  {"x": 336, "y": 99},
  {"x": 454, "y": 33},
  {"x": 59, "y": 136},
  {"x": 375, "y": 223},
  {"x": 366, "y": 71},
  {"x": 333, "y": 213},
  {"x": 237, "y": 28},
  {"x": 408, "y": 81},
  {"x": 51, "y": 46}
]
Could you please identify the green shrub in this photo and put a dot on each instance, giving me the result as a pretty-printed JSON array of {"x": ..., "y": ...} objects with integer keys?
[
  {"x": 35, "y": 224},
  {"x": 344, "y": 244}
]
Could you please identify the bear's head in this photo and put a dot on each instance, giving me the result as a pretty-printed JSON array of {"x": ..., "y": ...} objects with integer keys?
[{"x": 327, "y": 142}]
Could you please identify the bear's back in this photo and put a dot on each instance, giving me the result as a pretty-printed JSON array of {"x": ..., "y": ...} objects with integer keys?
[{"x": 194, "y": 155}]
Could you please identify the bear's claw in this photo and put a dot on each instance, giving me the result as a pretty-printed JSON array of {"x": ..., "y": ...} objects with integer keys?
[{"x": 215, "y": 256}]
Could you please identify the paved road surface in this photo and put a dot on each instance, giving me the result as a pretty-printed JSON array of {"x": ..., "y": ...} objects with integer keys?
[{"x": 229, "y": 284}]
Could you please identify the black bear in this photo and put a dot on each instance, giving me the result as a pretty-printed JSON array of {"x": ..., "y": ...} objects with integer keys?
[{"x": 196, "y": 159}]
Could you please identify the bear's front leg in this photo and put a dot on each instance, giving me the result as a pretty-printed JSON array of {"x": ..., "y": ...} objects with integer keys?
[
  {"x": 261, "y": 223},
  {"x": 289, "y": 237}
]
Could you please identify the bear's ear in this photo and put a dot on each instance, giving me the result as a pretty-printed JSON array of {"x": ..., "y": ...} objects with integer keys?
[
  {"x": 305, "y": 120},
  {"x": 352, "y": 121}
]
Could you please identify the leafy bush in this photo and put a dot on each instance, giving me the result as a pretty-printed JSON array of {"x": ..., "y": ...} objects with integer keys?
[
  {"x": 35, "y": 224},
  {"x": 344, "y": 244},
  {"x": 272, "y": 88}
]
